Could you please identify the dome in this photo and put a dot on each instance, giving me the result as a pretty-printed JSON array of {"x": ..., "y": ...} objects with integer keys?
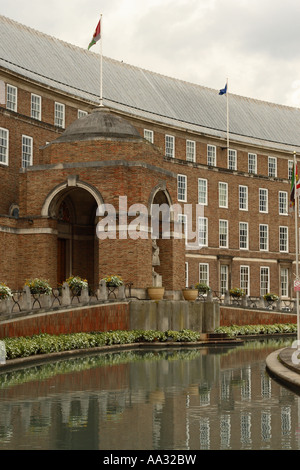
[{"x": 100, "y": 123}]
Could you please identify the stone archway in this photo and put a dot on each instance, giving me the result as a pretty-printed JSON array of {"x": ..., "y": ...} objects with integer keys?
[
  {"x": 74, "y": 208},
  {"x": 171, "y": 266}
]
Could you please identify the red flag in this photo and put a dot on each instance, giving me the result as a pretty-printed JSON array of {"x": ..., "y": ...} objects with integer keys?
[{"x": 96, "y": 36}]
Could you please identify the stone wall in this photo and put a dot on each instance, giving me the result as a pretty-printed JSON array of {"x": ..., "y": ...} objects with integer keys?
[
  {"x": 174, "y": 315},
  {"x": 144, "y": 315}
]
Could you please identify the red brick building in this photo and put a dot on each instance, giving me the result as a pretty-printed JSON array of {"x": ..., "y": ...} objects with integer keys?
[{"x": 157, "y": 140}]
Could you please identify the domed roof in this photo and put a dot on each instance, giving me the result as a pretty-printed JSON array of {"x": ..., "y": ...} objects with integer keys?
[{"x": 100, "y": 123}]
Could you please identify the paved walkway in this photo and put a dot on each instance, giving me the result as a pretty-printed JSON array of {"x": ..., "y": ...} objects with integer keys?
[{"x": 283, "y": 365}]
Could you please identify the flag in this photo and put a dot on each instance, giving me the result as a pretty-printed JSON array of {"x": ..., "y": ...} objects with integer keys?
[
  {"x": 223, "y": 91},
  {"x": 96, "y": 36},
  {"x": 295, "y": 187}
]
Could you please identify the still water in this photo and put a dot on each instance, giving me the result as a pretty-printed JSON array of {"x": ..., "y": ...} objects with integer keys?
[{"x": 208, "y": 398}]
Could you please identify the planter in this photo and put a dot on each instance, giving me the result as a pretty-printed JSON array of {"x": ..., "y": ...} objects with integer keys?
[
  {"x": 190, "y": 294},
  {"x": 156, "y": 293}
]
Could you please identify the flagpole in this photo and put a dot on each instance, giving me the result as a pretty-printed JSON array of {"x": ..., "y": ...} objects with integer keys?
[
  {"x": 101, "y": 63},
  {"x": 296, "y": 249},
  {"x": 227, "y": 96}
]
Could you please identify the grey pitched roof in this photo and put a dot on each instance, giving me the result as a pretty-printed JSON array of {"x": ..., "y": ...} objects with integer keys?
[{"x": 143, "y": 93}]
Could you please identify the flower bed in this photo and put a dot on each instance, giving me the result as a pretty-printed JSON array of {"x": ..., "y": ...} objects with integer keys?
[{"x": 46, "y": 344}]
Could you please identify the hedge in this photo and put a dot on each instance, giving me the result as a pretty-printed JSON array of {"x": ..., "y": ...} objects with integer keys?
[
  {"x": 277, "y": 328},
  {"x": 46, "y": 343}
]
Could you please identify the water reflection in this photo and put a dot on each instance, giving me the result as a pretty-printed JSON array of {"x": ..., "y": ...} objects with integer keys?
[{"x": 209, "y": 398}]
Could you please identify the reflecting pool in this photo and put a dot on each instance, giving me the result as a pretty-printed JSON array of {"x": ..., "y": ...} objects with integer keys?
[{"x": 169, "y": 399}]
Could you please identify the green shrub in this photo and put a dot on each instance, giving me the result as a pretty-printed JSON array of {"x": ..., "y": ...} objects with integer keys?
[
  {"x": 236, "y": 330},
  {"x": 46, "y": 344}
]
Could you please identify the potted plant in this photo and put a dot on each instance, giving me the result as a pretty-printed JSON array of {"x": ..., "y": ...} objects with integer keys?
[
  {"x": 76, "y": 284},
  {"x": 271, "y": 297},
  {"x": 236, "y": 293},
  {"x": 202, "y": 288},
  {"x": 190, "y": 293},
  {"x": 5, "y": 292},
  {"x": 156, "y": 292},
  {"x": 113, "y": 281},
  {"x": 38, "y": 286}
]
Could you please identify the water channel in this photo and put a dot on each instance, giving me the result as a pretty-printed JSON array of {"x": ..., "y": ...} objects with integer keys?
[{"x": 216, "y": 398}]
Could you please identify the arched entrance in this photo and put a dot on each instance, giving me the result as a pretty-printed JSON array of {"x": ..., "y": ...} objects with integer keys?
[
  {"x": 171, "y": 265},
  {"x": 74, "y": 208}
]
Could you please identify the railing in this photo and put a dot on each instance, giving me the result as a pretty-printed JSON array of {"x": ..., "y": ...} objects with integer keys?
[
  {"x": 251, "y": 302},
  {"x": 62, "y": 297}
]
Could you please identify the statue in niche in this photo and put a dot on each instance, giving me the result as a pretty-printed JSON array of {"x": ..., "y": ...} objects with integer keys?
[
  {"x": 156, "y": 278},
  {"x": 155, "y": 253}
]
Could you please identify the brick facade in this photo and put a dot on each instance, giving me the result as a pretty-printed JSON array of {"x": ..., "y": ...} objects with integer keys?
[
  {"x": 80, "y": 320},
  {"x": 82, "y": 172}
]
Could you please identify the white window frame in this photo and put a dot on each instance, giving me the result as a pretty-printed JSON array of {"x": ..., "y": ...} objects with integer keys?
[
  {"x": 232, "y": 159},
  {"x": 252, "y": 163},
  {"x": 283, "y": 239},
  {"x": 224, "y": 271},
  {"x": 245, "y": 279},
  {"x": 81, "y": 113},
  {"x": 223, "y": 233},
  {"x": 11, "y": 91},
  {"x": 284, "y": 282},
  {"x": 59, "y": 115},
  {"x": 36, "y": 106},
  {"x": 264, "y": 280},
  {"x": 263, "y": 237},
  {"x": 203, "y": 231},
  {"x": 4, "y": 146},
  {"x": 204, "y": 273},
  {"x": 290, "y": 169},
  {"x": 182, "y": 219},
  {"x": 149, "y": 135},
  {"x": 244, "y": 235},
  {"x": 202, "y": 191},
  {"x": 186, "y": 265},
  {"x": 170, "y": 145},
  {"x": 182, "y": 188},
  {"x": 211, "y": 155},
  {"x": 190, "y": 151},
  {"x": 272, "y": 167},
  {"x": 263, "y": 201},
  {"x": 223, "y": 195},
  {"x": 283, "y": 202},
  {"x": 27, "y": 155},
  {"x": 243, "y": 197}
]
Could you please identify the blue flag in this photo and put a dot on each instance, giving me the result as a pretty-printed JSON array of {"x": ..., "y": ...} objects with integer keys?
[{"x": 223, "y": 91}]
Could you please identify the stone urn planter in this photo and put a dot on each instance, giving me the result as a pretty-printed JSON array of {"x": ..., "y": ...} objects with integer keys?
[
  {"x": 190, "y": 294},
  {"x": 156, "y": 293}
]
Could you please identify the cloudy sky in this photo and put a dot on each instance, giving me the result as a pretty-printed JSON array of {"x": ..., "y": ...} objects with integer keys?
[{"x": 253, "y": 43}]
